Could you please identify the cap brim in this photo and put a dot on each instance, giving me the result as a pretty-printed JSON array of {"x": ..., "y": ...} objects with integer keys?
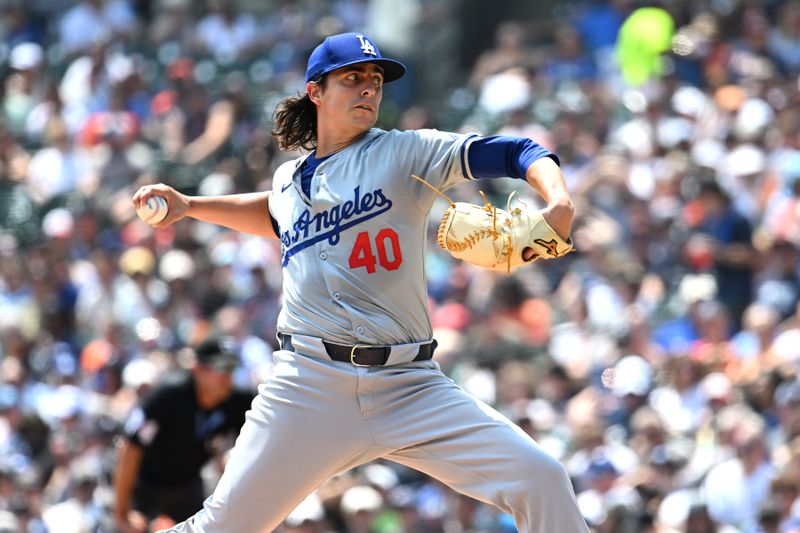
[{"x": 392, "y": 69}]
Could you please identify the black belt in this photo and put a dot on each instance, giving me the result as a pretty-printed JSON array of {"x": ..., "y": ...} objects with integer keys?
[{"x": 359, "y": 354}]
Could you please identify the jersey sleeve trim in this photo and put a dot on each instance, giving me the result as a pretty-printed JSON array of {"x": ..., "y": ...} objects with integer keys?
[
  {"x": 275, "y": 226},
  {"x": 465, "y": 166}
]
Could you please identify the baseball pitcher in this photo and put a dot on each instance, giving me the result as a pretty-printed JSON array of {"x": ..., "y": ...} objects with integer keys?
[{"x": 354, "y": 379}]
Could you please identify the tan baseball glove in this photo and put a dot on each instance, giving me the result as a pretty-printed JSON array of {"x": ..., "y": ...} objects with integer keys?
[{"x": 494, "y": 238}]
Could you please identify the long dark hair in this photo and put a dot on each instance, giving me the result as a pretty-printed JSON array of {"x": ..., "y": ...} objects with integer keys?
[{"x": 296, "y": 122}]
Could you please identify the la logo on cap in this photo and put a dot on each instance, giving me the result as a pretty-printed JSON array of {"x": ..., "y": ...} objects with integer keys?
[{"x": 366, "y": 46}]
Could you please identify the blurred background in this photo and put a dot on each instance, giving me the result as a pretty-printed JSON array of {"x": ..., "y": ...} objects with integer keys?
[{"x": 659, "y": 362}]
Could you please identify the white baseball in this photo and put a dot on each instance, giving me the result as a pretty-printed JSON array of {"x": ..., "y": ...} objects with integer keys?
[{"x": 154, "y": 210}]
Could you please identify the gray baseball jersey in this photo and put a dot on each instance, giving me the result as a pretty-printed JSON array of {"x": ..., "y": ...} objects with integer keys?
[
  {"x": 354, "y": 274},
  {"x": 354, "y": 251}
]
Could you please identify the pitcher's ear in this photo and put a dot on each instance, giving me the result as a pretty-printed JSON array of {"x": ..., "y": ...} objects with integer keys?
[{"x": 313, "y": 90}]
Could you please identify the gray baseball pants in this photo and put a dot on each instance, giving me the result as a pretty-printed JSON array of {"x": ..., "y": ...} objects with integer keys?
[{"x": 314, "y": 418}]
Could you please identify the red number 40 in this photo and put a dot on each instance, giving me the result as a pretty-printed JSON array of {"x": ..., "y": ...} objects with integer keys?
[{"x": 362, "y": 255}]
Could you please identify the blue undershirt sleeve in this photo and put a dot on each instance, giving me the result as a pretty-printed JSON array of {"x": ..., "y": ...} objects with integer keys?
[{"x": 501, "y": 156}]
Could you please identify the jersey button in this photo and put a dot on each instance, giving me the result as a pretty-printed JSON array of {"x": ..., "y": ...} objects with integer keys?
[
  {"x": 323, "y": 256},
  {"x": 337, "y": 295},
  {"x": 360, "y": 330}
]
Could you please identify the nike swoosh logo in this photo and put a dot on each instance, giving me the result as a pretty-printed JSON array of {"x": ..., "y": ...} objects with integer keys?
[{"x": 283, "y": 189}]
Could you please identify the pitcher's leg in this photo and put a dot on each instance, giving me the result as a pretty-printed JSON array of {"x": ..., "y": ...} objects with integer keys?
[
  {"x": 472, "y": 448},
  {"x": 303, "y": 427}
]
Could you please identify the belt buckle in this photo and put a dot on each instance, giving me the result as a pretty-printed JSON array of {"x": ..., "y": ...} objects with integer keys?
[{"x": 353, "y": 354}]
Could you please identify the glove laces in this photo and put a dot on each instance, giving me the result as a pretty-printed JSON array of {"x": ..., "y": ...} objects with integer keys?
[{"x": 473, "y": 238}]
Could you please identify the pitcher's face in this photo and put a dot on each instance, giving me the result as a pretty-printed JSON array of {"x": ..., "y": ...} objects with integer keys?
[{"x": 350, "y": 98}]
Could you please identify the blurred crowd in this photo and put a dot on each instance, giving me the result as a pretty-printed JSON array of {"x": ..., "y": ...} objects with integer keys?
[{"x": 659, "y": 362}]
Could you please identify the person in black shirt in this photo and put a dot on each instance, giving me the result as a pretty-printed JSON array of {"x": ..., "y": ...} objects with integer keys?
[
  {"x": 172, "y": 434},
  {"x": 725, "y": 237}
]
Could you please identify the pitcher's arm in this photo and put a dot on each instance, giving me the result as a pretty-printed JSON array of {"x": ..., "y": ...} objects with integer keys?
[{"x": 246, "y": 212}]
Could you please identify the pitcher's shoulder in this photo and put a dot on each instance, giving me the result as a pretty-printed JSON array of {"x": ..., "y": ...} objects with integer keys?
[
  {"x": 288, "y": 167},
  {"x": 379, "y": 137},
  {"x": 292, "y": 164},
  {"x": 422, "y": 134}
]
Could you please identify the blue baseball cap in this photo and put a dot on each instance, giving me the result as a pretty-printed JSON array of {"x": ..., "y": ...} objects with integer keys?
[{"x": 344, "y": 49}]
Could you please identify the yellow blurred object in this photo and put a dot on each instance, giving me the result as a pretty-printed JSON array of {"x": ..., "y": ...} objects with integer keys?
[
  {"x": 644, "y": 36},
  {"x": 137, "y": 260}
]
